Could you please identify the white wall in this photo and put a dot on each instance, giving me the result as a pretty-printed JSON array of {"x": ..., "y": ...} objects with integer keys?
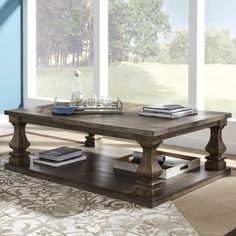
[{"x": 200, "y": 139}]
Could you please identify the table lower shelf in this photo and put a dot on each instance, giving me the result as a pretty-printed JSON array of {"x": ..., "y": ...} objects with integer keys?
[{"x": 96, "y": 174}]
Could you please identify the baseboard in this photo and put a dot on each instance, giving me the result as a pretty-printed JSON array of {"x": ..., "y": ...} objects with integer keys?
[
  {"x": 3, "y": 119},
  {"x": 5, "y": 126}
]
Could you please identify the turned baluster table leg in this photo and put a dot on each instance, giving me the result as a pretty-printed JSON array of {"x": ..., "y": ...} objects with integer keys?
[
  {"x": 90, "y": 140},
  {"x": 19, "y": 144},
  {"x": 215, "y": 148},
  {"x": 149, "y": 170}
]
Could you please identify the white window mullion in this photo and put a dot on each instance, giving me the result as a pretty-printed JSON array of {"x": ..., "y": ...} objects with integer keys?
[
  {"x": 29, "y": 56},
  {"x": 196, "y": 53},
  {"x": 101, "y": 48},
  {"x": 29, "y": 69}
]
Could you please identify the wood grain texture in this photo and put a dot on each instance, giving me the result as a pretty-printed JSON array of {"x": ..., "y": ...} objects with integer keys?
[
  {"x": 96, "y": 174},
  {"x": 216, "y": 148},
  {"x": 129, "y": 124},
  {"x": 19, "y": 143},
  {"x": 149, "y": 170},
  {"x": 149, "y": 132},
  {"x": 90, "y": 140}
]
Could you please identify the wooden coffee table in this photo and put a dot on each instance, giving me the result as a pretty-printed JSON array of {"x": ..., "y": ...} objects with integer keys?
[{"x": 97, "y": 174}]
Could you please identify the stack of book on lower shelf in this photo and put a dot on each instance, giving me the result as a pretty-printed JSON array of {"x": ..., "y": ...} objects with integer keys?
[
  {"x": 59, "y": 156},
  {"x": 171, "y": 164},
  {"x": 167, "y": 111}
]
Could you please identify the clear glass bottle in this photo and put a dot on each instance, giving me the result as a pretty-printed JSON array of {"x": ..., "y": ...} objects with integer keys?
[{"x": 77, "y": 91}]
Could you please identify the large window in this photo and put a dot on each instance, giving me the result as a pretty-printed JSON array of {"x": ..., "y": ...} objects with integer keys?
[
  {"x": 148, "y": 50},
  {"x": 147, "y": 53},
  {"x": 143, "y": 51},
  {"x": 64, "y": 33},
  {"x": 220, "y": 44}
]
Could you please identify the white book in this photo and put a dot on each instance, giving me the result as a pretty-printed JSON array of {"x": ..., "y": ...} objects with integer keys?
[
  {"x": 170, "y": 111},
  {"x": 171, "y": 116},
  {"x": 165, "y": 106},
  {"x": 37, "y": 159}
]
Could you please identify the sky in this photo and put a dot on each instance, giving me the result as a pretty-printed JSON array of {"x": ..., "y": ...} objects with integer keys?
[{"x": 220, "y": 14}]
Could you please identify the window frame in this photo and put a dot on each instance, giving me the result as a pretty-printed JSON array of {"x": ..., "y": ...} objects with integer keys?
[
  {"x": 100, "y": 68},
  {"x": 196, "y": 65}
]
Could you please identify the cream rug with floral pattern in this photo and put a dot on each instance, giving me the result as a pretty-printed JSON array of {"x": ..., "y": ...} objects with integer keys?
[{"x": 31, "y": 206}]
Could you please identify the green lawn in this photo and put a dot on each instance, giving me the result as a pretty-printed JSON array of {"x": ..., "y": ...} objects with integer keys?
[
  {"x": 57, "y": 82},
  {"x": 146, "y": 83}
]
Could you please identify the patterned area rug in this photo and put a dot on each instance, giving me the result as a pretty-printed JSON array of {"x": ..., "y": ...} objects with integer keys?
[{"x": 31, "y": 206}]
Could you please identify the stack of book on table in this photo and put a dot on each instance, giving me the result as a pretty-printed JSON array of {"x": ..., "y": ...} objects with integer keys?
[
  {"x": 167, "y": 111},
  {"x": 59, "y": 156}
]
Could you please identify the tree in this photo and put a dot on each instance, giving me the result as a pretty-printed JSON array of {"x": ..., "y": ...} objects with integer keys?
[
  {"x": 219, "y": 47},
  {"x": 234, "y": 42},
  {"x": 148, "y": 20},
  {"x": 119, "y": 28},
  {"x": 43, "y": 33},
  {"x": 63, "y": 28},
  {"x": 178, "y": 49},
  {"x": 164, "y": 56}
]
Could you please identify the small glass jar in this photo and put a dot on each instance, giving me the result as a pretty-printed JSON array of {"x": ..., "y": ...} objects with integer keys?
[
  {"x": 106, "y": 102},
  {"x": 91, "y": 102}
]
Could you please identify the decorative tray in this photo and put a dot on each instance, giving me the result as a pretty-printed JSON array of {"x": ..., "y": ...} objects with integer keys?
[
  {"x": 65, "y": 109},
  {"x": 172, "y": 164}
]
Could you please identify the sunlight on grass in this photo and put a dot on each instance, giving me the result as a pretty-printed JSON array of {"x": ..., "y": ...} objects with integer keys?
[
  {"x": 57, "y": 82},
  {"x": 149, "y": 82},
  {"x": 220, "y": 87}
]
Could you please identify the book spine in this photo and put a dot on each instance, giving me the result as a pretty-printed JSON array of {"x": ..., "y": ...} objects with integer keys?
[
  {"x": 165, "y": 115},
  {"x": 161, "y": 115},
  {"x": 38, "y": 160},
  {"x": 166, "y": 111},
  {"x": 62, "y": 157}
]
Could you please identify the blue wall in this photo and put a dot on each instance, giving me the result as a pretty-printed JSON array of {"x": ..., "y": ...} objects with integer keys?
[{"x": 10, "y": 54}]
